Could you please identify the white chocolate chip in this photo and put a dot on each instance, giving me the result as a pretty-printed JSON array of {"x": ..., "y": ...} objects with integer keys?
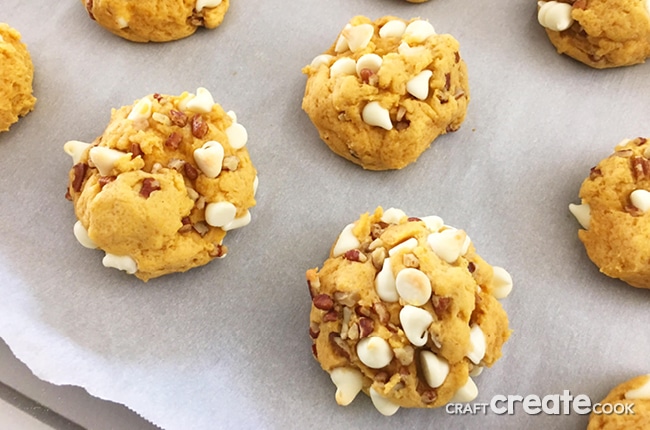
[
  {"x": 141, "y": 110},
  {"x": 343, "y": 67},
  {"x": 501, "y": 282},
  {"x": 202, "y": 102},
  {"x": 641, "y": 200},
  {"x": 219, "y": 214},
  {"x": 433, "y": 223},
  {"x": 418, "y": 31},
  {"x": 393, "y": 28},
  {"x": 256, "y": 183},
  {"x": 382, "y": 404},
  {"x": 323, "y": 59},
  {"x": 369, "y": 61},
  {"x": 184, "y": 99},
  {"x": 348, "y": 383},
  {"x": 342, "y": 42},
  {"x": 477, "y": 344},
  {"x": 122, "y": 22},
  {"x": 407, "y": 245},
  {"x": 466, "y": 393},
  {"x": 406, "y": 50},
  {"x": 413, "y": 286},
  {"x": 476, "y": 371},
  {"x": 554, "y": 15},
  {"x": 374, "y": 352},
  {"x": 447, "y": 244},
  {"x": 346, "y": 241},
  {"x": 415, "y": 322},
  {"x": 81, "y": 234},
  {"x": 418, "y": 86},
  {"x": 239, "y": 222},
  {"x": 232, "y": 115},
  {"x": 237, "y": 135},
  {"x": 358, "y": 36},
  {"x": 105, "y": 158},
  {"x": 75, "y": 149},
  {"x": 385, "y": 283},
  {"x": 466, "y": 245},
  {"x": 160, "y": 118},
  {"x": 209, "y": 158},
  {"x": 582, "y": 213},
  {"x": 641, "y": 393},
  {"x": 393, "y": 216},
  {"x": 200, "y": 4},
  {"x": 120, "y": 262},
  {"x": 434, "y": 368},
  {"x": 376, "y": 115}
]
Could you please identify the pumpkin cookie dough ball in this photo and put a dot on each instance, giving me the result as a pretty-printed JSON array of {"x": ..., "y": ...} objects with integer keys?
[
  {"x": 16, "y": 76},
  {"x": 405, "y": 310},
  {"x": 599, "y": 33},
  {"x": 614, "y": 213},
  {"x": 156, "y": 20},
  {"x": 634, "y": 392},
  {"x": 159, "y": 189},
  {"x": 385, "y": 90}
]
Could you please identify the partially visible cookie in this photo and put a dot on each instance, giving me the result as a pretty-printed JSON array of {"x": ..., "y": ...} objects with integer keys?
[
  {"x": 156, "y": 20},
  {"x": 16, "y": 76},
  {"x": 385, "y": 90},
  {"x": 163, "y": 184},
  {"x": 633, "y": 394},
  {"x": 615, "y": 213},
  {"x": 599, "y": 33},
  {"x": 406, "y": 311}
]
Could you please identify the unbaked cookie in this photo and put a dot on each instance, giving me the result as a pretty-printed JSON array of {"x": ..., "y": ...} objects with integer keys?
[
  {"x": 614, "y": 213},
  {"x": 385, "y": 90},
  {"x": 634, "y": 392},
  {"x": 159, "y": 189},
  {"x": 599, "y": 33},
  {"x": 405, "y": 310},
  {"x": 156, "y": 20},
  {"x": 16, "y": 76}
]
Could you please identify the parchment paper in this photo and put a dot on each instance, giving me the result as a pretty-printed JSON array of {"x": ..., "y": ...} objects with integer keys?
[{"x": 227, "y": 345}]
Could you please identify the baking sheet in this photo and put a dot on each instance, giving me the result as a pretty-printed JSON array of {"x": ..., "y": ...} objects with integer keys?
[{"x": 227, "y": 344}]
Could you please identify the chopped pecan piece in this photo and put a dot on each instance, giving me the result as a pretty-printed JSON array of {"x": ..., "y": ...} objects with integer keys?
[
  {"x": 136, "y": 151},
  {"x": 174, "y": 140},
  {"x": 178, "y": 118},
  {"x": 640, "y": 168},
  {"x": 366, "y": 326},
  {"x": 339, "y": 346},
  {"x": 323, "y": 302},
  {"x": 190, "y": 171},
  {"x": 104, "y": 180},
  {"x": 199, "y": 127},
  {"x": 80, "y": 170},
  {"x": 149, "y": 185},
  {"x": 440, "y": 305},
  {"x": 595, "y": 172}
]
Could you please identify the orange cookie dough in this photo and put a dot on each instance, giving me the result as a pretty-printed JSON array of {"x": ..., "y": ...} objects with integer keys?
[
  {"x": 614, "y": 213},
  {"x": 164, "y": 183},
  {"x": 636, "y": 391},
  {"x": 385, "y": 90},
  {"x": 156, "y": 20},
  {"x": 406, "y": 311},
  {"x": 16, "y": 76},
  {"x": 599, "y": 33}
]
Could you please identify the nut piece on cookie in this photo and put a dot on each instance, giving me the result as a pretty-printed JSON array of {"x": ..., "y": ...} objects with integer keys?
[
  {"x": 385, "y": 90},
  {"x": 16, "y": 76},
  {"x": 614, "y": 213},
  {"x": 598, "y": 33},
  {"x": 159, "y": 189},
  {"x": 394, "y": 316},
  {"x": 156, "y": 20},
  {"x": 632, "y": 395}
]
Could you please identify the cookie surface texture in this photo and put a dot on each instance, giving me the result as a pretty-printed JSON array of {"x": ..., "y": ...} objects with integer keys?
[
  {"x": 159, "y": 189},
  {"x": 156, "y": 20},
  {"x": 385, "y": 90},
  {"x": 406, "y": 311},
  {"x": 599, "y": 33},
  {"x": 636, "y": 391},
  {"x": 615, "y": 200},
  {"x": 16, "y": 77}
]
